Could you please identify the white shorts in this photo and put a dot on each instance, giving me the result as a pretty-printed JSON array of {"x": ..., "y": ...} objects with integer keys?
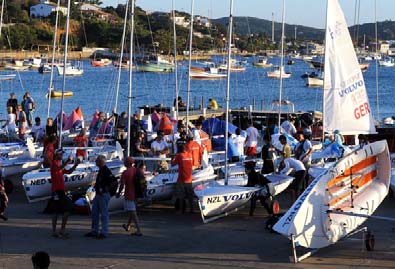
[{"x": 129, "y": 205}]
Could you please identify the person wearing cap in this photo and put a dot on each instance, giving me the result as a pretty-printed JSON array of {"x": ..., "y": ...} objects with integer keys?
[
  {"x": 233, "y": 154},
  {"x": 128, "y": 178},
  {"x": 196, "y": 151},
  {"x": 184, "y": 188},
  {"x": 159, "y": 149},
  {"x": 177, "y": 135},
  {"x": 251, "y": 140},
  {"x": 288, "y": 126},
  {"x": 13, "y": 102},
  {"x": 62, "y": 202},
  {"x": 105, "y": 181}
]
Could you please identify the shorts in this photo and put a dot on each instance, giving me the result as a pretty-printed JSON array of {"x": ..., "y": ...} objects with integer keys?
[
  {"x": 120, "y": 134},
  {"x": 29, "y": 115},
  {"x": 251, "y": 151},
  {"x": 129, "y": 205},
  {"x": 61, "y": 202}
]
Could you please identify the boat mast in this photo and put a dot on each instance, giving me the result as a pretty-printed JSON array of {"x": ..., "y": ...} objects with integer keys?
[
  {"x": 130, "y": 73},
  {"x": 324, "y": 87},
  {"x": 1, "y": 16},
  {"x": 228, "y": 90},
  {"x": 53, "y": 57},
  {"x": 66, "y": 43},
  {"x": 377, "y": 61},
  {"x": 281, "y": 65},
  {"x": 175, "y": 56},
  {"x": 189, "y": 61},
  {"x": 121, "y": 56}
]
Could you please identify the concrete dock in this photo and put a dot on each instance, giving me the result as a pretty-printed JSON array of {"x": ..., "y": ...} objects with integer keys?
[{"x": 180, "y": 241}]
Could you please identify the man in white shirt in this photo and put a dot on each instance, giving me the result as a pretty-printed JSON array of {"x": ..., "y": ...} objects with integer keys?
[
  {"x": 159, "y": 148},
  {"x": 288, "y": 126},
  {"x": 38, "y": 130},
  {"x": 252, "y": 140},
  {"x": 296, "y": 186},
  {"x": 239, "y": 142}
]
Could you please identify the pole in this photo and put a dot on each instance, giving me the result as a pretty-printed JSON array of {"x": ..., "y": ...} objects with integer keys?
[
  {"x": 53, "y": 58},
  {"x": 228, "y": 90},
  {"x": 189, "y": 61},
  {"x": 272, "y": 27},
  {"x": 377, "y": 60},
  {"x": 66, "y": 44},
  {"x": 121, "y": 57},
  {"x": 130, "y": 74},
  {"x": 281, "y": 65},
  {"x": 175, "y": 55}
]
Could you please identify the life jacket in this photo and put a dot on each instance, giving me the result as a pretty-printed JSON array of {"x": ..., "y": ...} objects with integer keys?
[
  {"x": 205, "y": 141},
  {"x": 166, "y": 125}
]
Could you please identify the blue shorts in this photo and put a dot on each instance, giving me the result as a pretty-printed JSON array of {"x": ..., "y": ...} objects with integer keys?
[{"x": 129, "y": 205}]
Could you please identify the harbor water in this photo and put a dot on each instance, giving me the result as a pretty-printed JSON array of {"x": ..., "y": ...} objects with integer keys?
[{"x": 96, "y": 89}]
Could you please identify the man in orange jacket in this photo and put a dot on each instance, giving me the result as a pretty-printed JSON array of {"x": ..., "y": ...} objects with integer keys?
[
  {"x": 196, "y": 150},
  {"x": 184, "y": 181}
]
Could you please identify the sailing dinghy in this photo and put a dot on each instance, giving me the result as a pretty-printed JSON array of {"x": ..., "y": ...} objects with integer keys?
[
  {"x": 324, "y": 212},
  {"x": 342, "y": 197}
]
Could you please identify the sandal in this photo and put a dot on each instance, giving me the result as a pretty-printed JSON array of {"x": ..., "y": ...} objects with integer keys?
[{"x": 126, "y": 228}]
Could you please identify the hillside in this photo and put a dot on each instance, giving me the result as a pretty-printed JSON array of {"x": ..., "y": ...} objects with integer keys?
[{"x": 250, "y": 25}]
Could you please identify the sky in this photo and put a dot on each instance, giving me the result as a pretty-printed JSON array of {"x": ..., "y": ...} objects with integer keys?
[{"x": 302, "y": 12}]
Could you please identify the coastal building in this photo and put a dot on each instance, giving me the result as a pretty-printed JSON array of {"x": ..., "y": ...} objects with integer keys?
[
  {"x": 384, "y": 47},
  {"x": 181, "y": 21},
  {"x": 202, "y": 21},
  {"x": 45, "y": 8}
]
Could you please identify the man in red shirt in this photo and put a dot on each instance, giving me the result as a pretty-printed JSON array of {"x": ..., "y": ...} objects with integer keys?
[
  {"x": 128, "y": 178},
  {"x": 184, "y": 181},
  {"x": 196, "y": 150},
  {"x": 62, "y": 203}
]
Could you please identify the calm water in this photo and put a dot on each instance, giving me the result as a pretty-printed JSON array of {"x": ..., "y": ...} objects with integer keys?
[{"x": 95, "y": 89}]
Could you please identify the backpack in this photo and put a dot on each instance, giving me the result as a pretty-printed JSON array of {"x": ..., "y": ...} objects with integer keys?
[
  {"x": 113, "y": 185},
  {"x": 140, "y": 184}
]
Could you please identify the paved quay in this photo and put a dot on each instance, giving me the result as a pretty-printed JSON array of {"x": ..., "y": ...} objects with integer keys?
[{"x": 180, "y": 241}]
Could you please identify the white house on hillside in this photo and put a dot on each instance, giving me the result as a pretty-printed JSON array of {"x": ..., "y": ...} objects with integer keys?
[
  {"x": 89, "y": 7},
  {"x": 44, "y": 9}
]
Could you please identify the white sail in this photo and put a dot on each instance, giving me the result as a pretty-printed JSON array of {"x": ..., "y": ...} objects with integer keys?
[{"x": 346, "y": 104}]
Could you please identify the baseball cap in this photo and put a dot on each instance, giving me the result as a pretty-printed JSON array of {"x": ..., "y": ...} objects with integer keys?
[
  {"x": 129, "y": 160},
  {"x": 190, "y": 136}
]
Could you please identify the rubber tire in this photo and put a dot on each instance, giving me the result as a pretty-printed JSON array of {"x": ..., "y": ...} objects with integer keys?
[
  {"x": 9, "y": 186},
  {"x": 369, "y": 241}
]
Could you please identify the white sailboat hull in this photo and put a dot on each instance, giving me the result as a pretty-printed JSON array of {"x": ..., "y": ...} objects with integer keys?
[
  {"x": 37, "y": 184},
  {"x": 309, "y": 219}
]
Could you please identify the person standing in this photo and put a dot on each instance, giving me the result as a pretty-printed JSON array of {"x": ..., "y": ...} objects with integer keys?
[
  {"x": 159, "y": 149},
  {"x": 239, "y": 142},
  {"x": 81, "y": 140},
  {"x": 196, "y": 151},
  {"x": 50, "y": 128},
  {"x": 303, "y": 153},
  {"x": 22, "y": 122},
  {"x": 38, "y": 130},
  {"x": 104, "y": 182},
  {"x": 128, "y": 178},
  {"x": 184, "y": 188},
  {"x": 62, "y": 203},
  {"x": 3, "y": 201},
  {"x": 29, "y": 107},
  {"x": 288, "y": 126},
  {"x": 10, "y": 124},
  {"x": 251, "y": 140},
  {"x": 121, "y": 123},
  {"x": 13, "y": 102}
]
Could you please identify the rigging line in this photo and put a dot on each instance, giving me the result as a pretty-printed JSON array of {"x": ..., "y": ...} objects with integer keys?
[
  {"x": 358, "y": 14},
  {"x": 150, "y": 30},
  {"x": 377, "y": 61}
]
